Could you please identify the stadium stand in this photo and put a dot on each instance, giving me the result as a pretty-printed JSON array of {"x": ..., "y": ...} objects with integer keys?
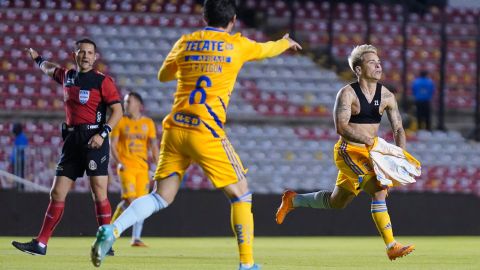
[
  {"x": 423, "y": 39},
  {"x": 282, "y": 156}
]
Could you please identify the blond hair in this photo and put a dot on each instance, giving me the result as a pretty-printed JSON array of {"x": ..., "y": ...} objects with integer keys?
[{"x": 356, "y": 56}]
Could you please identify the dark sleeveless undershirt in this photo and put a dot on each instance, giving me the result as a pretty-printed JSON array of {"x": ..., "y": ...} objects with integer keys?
[{"x": 369, "y": 112}]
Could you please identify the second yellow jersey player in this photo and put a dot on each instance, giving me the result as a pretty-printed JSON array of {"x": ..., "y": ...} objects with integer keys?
[
  {"x": 131, "y": 141},
  {"x": 132, "y": 148}
]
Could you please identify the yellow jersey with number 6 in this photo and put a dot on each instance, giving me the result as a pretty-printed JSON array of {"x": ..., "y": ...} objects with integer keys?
[{"x": 206, "y": 64}]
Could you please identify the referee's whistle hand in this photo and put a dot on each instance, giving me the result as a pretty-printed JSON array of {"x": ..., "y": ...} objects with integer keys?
[{"x": 95, "y": 142}]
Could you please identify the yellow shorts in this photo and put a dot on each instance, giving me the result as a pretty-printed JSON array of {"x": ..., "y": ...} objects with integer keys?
[
  {"x": 135, "y": 182},
  {"x": 352, "y": 162},
  {"x": 216, "y": 156}
]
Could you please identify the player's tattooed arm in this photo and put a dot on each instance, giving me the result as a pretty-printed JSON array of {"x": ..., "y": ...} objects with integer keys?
[
  {"x": 342, "y": 114},
  {"x": 395, "y": 119},
  {"x": 47, "y": 67}
]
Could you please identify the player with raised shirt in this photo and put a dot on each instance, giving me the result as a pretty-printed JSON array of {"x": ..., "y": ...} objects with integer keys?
[{"x": 359, "y": 107}]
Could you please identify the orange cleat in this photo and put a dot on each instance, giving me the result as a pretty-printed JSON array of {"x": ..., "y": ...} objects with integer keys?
[
  {"x": 399, "y": 250},
  {"x": 286, "y": 206},
  {"x": 138, "y": 243}
]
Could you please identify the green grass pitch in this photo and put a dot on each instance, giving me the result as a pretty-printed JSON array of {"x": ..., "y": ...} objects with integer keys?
[{"x": 271, "y": 252}]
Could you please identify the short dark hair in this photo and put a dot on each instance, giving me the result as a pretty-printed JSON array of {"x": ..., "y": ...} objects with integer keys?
[
  {"x": 86, "y": 40},
  {"x": 423, "y": 73},
  {"x": 137, "y": 96},
  {"x": 218, "y": 13},
  {"x": 17, "y": 129}
]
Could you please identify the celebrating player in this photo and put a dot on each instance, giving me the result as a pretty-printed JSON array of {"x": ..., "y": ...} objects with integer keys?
[
  {"x": 87, "y": 94},
  {"x": 206, "y": 64},
  {"x": 358, "y": 110},
  {"x": 131, "y": 139}
]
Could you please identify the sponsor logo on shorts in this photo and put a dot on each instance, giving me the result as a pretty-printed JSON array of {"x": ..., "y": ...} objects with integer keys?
[
  {"x": 83, "y": 96},
  {"x": 103, "y": 159},
  {"x": 92, "y": 165},
  {"x": 59, "y": 168},
  {"x": 190, "y": 120}
]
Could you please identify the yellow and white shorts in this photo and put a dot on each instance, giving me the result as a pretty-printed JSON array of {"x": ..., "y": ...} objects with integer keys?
[
  {"x": 216, "y": 156},
  {"x": 353, "y": 163},
  {"x": 135, "y": 182}
]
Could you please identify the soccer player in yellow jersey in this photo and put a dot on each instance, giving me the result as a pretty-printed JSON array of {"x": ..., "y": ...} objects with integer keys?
[
  {"x": 206, "y": 64},
  {"x": 131, "y": 140},
  {"x": 358, "y": 110}
]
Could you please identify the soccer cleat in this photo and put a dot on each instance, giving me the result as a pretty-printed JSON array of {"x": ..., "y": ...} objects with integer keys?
[
  {"x": 398, "y": 250},
  {"x": 32, "y": 247},
  {"x": 102, "y": 245},
  {"x": 253, "y": 267},
  {"x": 111, "y": 252},
  {"x": 286, "y": 206},
  {"x": 138, "y": 243}
]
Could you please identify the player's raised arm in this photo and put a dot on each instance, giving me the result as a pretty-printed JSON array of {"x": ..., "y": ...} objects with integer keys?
[
  {"x": 343, "y": 112},
  {"x": 259, "y": 50},
  {"x": 46, "y": 66},
  {"x": 394, "y": 117}
]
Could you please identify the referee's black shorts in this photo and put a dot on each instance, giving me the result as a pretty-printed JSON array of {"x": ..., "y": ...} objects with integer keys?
[{"x": 77, "y": 158}]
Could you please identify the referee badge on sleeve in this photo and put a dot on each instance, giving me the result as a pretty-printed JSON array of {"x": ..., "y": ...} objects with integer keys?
[{"x": 83, "y": 96}]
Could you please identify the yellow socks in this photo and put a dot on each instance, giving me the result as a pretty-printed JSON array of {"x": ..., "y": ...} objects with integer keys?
[
  {"x": 118, "y": 211},
  {"x": 382, "y": 221},
  {"x": 242, "y": 226}
]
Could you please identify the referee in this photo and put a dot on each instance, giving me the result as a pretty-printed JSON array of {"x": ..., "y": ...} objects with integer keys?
[{"x": 87, "y": 94}]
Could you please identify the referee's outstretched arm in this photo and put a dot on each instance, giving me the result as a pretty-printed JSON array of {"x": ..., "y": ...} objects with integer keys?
[{"x": 47, "y": 67}]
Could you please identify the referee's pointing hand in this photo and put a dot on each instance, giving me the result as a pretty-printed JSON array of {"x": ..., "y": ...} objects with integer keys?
[{"x": 32, "y": 52}]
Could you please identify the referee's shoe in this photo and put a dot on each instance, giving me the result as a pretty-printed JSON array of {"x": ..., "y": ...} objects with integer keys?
[{"x": 33, "y": 247}]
